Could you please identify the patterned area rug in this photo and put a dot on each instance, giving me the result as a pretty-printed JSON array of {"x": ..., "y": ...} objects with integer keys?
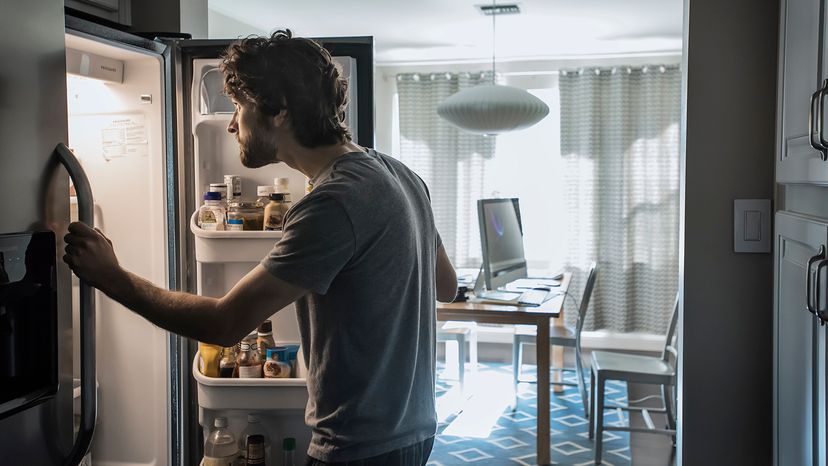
[{"x": 479, "y": 427}]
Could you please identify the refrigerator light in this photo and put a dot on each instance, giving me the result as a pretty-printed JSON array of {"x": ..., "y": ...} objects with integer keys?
[{"x": 94, "y": 66}]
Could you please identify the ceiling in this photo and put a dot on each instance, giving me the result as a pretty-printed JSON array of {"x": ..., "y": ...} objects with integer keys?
[{"x": 453, "y": 30}]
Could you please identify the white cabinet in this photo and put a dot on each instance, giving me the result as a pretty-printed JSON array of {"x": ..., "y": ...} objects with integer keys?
[
  {"x": 797, "y": 161},
  {"x": 799, "y": 342}
]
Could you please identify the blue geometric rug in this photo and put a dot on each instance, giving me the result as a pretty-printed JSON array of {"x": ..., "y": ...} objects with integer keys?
[{"x": 478, "y": 427}]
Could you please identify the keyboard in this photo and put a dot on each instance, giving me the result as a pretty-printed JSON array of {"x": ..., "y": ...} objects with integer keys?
[{"x": 525, "y": 298}]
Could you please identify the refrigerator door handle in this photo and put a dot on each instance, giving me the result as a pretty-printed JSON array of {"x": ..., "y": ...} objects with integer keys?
[
  {"x": 823, "y": 316},
  {"x": 808, "y": 282},
  {"x": 812, "y": 130},
  {"x": 823, "y": 143},
  {"x": 87, "y": 315}
]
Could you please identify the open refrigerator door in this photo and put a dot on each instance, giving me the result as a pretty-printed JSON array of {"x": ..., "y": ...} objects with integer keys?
[{"x": 116, "y": 123}]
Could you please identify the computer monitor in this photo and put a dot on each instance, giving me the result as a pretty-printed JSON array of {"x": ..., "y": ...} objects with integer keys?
[{"x": 501, "y": 236}]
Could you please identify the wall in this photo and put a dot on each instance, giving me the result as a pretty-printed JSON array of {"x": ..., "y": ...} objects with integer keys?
[{"x": 726, "y": 360}]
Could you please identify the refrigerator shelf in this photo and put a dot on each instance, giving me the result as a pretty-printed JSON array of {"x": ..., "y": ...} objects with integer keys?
[
  {"x": 249, "y": 394},
  {"x": 231, "y": 246}
]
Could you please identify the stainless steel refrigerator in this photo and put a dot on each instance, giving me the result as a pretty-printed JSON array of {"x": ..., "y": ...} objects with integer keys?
[{"x": 138, "y": 123}]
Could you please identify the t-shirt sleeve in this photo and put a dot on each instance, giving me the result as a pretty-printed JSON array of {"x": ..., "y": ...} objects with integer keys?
[{"x": 317, "y": 242}]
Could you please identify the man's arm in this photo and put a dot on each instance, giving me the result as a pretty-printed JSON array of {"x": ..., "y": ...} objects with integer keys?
[
  {"x": 222, "y": 321},
  {"x": 446, "y": 277}
]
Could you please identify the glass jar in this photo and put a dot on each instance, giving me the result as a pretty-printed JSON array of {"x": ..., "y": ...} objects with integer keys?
[
  {"x": 263, "y": 193},
  {"x": 227, "y": 366},
  {"x": 250, "y": 213},
  {"x": 275, "y": 211}
]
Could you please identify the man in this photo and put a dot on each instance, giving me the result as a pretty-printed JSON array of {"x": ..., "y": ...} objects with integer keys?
[{"x": 359, "y": 255}]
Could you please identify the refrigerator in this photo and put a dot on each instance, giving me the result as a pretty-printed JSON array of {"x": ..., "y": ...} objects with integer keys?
[{"x": 125, "y": 133}]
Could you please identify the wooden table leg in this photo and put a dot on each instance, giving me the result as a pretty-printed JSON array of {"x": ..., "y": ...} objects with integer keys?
[
  {"x": 542, "y": 348},
  {"x": 558, "y": 356}
]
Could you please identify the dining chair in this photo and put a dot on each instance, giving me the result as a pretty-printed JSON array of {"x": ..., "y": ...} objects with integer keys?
[
  {"x": 633, "y": 368},
  {"x": 559, "y": 335}
]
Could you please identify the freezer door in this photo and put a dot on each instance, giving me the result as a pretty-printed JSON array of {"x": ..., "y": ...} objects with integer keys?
[{"x": 34, "y": 197}]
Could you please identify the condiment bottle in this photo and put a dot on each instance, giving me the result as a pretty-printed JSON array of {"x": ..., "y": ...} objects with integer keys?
[
  {"x": 255, "y": 428},
  {"x": 264, "y": 338},
  {"x": 212, "y": 214},
  {"x": 275, "y": 211},
  {"x": 250, "y": 365},
  {"x": 274, "y": 368},
  {"x": 227, "y": 366},
  {"x": 208, "y": 359},
  {"x": 282, "y": 185},
  {"x": 234, "y": 187},
  {"x": 254, "y": 451}
]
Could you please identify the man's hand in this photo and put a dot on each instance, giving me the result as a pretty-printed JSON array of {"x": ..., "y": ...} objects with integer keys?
[{"x": 90, "y": 255}]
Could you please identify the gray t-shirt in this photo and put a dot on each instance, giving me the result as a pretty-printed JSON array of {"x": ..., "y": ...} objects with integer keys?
[{"x": 363, "y": 242}]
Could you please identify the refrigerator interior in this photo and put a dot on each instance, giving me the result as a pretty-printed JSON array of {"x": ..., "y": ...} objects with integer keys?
[
  {"x": 223, "y": 258},
  {"x": 117, "y": 132}
]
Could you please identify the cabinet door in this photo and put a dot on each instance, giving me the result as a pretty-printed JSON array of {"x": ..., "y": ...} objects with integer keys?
[
  {"x": 116, "y": 11},
  {"x": 796, "y": 160},
  {"x": 796, "y": 424}
]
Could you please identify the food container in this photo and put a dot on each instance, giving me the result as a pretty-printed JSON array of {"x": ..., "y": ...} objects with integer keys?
[{"x": 251, "y": 214}]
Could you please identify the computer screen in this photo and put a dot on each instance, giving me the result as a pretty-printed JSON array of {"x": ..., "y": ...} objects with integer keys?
[{"x": 501, "y": 237}]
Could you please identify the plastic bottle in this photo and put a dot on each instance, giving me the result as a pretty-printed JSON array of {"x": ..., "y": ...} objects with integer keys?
[
  {"x": 212, "y": 214},
  {"x": 220, "y": 448},
  {"x": 208, "y": 359},
  {"x": 275, "y": 211},
  {"x": 234, "y": 187},
  {"x": 264, "y": 339},
  {"x": 255, "y": 427},
  {"x": 288, "y": 456},
  {"x": 220, "y": 188},
  {"x": 250, "y": 365}
]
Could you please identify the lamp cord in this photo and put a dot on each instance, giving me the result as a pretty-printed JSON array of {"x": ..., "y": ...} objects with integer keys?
[{"x": 494, "y": 13}]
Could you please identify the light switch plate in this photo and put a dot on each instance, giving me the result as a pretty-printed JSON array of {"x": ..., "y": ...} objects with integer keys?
[{"x": 752, "y": 225}]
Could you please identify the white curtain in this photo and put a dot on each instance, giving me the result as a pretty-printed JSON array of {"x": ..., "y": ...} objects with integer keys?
[
  {"x": 620, "y": 143},
  {"x": 450, "y": 161}
]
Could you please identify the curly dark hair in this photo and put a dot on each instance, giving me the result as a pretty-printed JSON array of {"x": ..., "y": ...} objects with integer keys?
[{"x": 293, "y": 73}]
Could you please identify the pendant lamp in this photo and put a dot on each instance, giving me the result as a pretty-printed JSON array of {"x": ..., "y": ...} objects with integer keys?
[{"x": 492, "y": 108}]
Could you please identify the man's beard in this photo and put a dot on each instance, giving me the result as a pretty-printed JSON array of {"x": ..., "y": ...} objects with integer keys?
[{"x": 255, "y": 151}]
